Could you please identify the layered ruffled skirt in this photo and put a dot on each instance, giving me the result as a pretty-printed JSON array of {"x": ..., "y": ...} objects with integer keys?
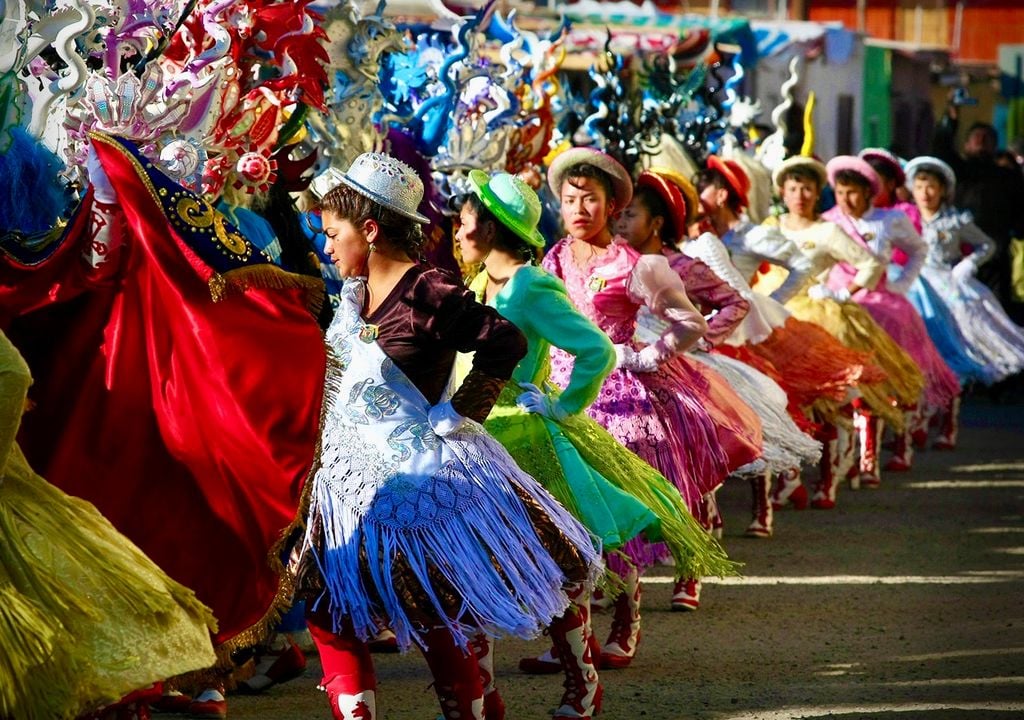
[
  {"x": 817, "y": 371},
  {"x": 854, "y": 327},
  {"x": 899, "y": 318},
  {"x": 786, "y": 446},
  {"x": 614, "y": 493},
  {"x": 991, "y": 335},
  {"x": 945, "y": 333}
]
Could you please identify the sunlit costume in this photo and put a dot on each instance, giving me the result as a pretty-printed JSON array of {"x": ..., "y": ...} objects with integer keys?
[
  {"x": 824, "y": 245},
  {"x": 990, "y": 334},
  {"x": 419, "y": 521},
  {"x": 667, "y": 195},
  {"x": 77, "y": 598},
  {"x": 613, "y": 492},
  {"x": 880, "y": 231},
  {"x": 934, "y": 308},
  {"x": 647, "y": 402}
]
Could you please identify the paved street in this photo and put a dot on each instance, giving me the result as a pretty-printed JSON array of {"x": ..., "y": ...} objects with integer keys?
[{"x": 905, "y": 602}]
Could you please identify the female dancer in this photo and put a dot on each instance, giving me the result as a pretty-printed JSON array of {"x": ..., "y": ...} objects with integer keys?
[
  {"x": 645, "y": 402},
  {"x": 77, "y": 597},
  {"x": 548, "y": 435},
  {"x": 800, "y": 181},
  {"x": 817, "y": 372},
  {"x": 418, "y": 520},
  {"x": 879, "y": 231},
  {"x": 723, "y": 188},
  {"x": 654, "y": 222},
  {"x": 934, "y": 309},
  {"x": 891, "y": 182},
  {"x": 989, "y": 332}
]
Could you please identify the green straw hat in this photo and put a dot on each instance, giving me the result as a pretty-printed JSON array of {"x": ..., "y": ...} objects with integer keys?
[{"x": 512, "y": 201}]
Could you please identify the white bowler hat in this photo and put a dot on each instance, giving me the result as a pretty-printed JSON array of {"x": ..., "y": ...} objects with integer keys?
[
  {"x": 932, "y": 164},
  {"x": 387, "y": 181}
]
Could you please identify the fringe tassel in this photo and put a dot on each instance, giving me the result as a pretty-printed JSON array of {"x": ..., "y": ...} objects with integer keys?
[
  {"x": 489, "y": 553},
  {"x": 696, "y": 553},
  {"x": 267, "y": 276}
]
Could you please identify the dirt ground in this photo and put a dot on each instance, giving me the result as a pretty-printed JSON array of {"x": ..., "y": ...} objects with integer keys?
[{"x": 904, "y": 602}]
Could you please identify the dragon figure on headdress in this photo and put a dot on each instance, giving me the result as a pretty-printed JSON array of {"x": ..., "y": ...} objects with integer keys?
[{"x": 358, "y": 48}]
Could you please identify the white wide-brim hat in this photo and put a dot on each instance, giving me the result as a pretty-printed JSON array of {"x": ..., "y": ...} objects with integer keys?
[
  {"x": 387, "y": 181},
  {"x": 622, "y": 183},
  {"x": 933, "y": 164}
]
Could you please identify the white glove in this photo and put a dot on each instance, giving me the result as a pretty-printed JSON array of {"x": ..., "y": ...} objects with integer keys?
[
  {"x": 703, "y": 346},
  {"x": 964, "y": 270},
  {"x": 646, "y": 360},
  {"x": 444, "y": 420},
  {"x": 824, "y": 292},
  {"x": 103, "y": 191},
  {"x": 535, "y": 400}
]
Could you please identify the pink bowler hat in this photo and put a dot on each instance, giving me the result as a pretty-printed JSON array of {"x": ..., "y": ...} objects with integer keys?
[{"x": 853, "y": 164}]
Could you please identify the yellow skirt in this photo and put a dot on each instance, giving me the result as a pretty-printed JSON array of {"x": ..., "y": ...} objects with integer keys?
[
  {"x": 854, "y": 327},
  {"x": 85, "y": 616}
]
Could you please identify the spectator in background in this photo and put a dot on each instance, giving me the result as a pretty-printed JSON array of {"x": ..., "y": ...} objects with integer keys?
[{"x": 991, "y": 191}]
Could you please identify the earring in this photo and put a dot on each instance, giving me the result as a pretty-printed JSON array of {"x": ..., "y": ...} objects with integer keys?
[{"x": 373, "y": 247}]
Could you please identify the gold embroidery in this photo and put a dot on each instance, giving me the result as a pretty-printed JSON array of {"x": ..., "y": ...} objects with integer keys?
[
  {"x": 230, "y": 240},
  {"x": 194, "y": 213}
]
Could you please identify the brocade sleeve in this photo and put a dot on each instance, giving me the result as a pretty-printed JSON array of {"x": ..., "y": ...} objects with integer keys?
[
  {"x": 656, "y": 285},
  {"x": 768, "y": 243},
  {"x": 458, "y": 322},
  {"x": 553, "y": 317},
  {"x": 712, "y": 294},
  {"x": 983, "y": 246}
]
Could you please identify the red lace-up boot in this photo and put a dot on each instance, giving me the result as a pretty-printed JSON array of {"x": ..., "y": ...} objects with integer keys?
[
  {"x": 949, "y": 426},
  {"x": 483, "y": 647},
  {"x": 624, "y": 637},
  {"x": 570, "y": 635},
  {"x": 789, "y": 491},
  {"x": 761, "y": 509}
]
